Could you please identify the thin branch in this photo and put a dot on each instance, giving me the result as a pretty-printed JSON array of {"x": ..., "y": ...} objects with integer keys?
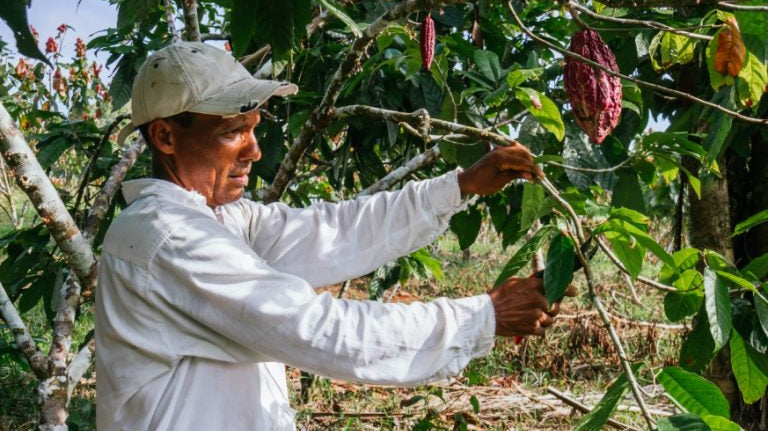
[
  {"x": 583, "y": 408},
  {"x": 658, "y": 3},
  {"x": 191, "y": 23},
  {"x": 37, "y": 360},
  {"x": 95, "y": 157},
  {"x": 643, "y": 23},
  {"x": 170, "y": 21},
  {"x": 426, "y": 158},
  {"x": 415, "y": 118},
  {"x": 660, "y": 88},
  {"x": 608, "y": 252},
  {"x": 591, "y": 170},
  {"x": 54, "y": 214},
  {"x": 214, "y": 36},
  {"x": 727, "y": 5},
  {"x": 104, "y": 199},
  {"x": 322, "y": 115},
  {"x": 597, "y": 301},
  {"x": 80, "y": 364}
]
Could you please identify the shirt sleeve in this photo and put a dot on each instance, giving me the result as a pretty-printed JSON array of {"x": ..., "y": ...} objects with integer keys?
[
  {"x": 332, "y": 242},
  {"x": 220, "y": 300}
]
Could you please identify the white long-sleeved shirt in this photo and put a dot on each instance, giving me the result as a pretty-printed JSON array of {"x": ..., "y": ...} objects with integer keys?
[{"x": 198, "y": 310}]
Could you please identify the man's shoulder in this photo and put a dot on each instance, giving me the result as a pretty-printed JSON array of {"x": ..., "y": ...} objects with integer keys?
[{"x": 144, "y": 225}]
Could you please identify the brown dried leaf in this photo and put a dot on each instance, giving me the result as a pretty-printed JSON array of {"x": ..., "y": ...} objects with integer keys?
[{"x": 731, "y": 51}]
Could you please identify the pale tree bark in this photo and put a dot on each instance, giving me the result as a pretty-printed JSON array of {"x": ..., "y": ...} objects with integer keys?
[
  {"x": 37, "y": 360},
  {"x": 322, "y": 115},
  {"x": 191, "y": 23}
]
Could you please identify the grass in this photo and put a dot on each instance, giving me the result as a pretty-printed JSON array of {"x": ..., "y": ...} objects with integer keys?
[{"x": 508, "y": 386}]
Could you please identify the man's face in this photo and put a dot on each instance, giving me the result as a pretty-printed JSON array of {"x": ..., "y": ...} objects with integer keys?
[{"x": 213, "y": 155}]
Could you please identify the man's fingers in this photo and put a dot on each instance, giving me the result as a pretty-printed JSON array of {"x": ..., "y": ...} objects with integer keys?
[
  {"x": 546, "y": 320},
  {"x": 555, "y": 310}
]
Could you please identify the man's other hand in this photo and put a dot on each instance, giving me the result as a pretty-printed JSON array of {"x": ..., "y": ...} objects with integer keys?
[
  {"x": 497, "y": 168},
  {"x": 521, "y": 307}
]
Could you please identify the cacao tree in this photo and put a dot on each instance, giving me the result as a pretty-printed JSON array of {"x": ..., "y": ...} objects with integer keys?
[{"x": 397, "y": 90}]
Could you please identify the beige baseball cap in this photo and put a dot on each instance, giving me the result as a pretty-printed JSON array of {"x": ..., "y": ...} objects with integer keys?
[{"x": 195, "y": 77}]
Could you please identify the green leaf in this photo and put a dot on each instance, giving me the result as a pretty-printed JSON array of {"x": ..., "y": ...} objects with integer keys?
[
  {"x": 668, "y": 49},
  {"x": 752, "y": 81},
  {"x": 637, "y": 218},
  {"x": 524, "y": 254},
  {"x": 719, "y": 423},
  {"x": 14, "y": 13},
  {"x": 488, "y": 64},
  {"x": 629, "y": 252},
  {"x": 475, "y": 404},
  {"x": 131, "y": 12},
  {"x": 698, "y": 348},
  {"x": 718, "y": 305},
  {"x": 750, "y": 368},
  {"x": 757, "y": 266},
  {"x": 685, "y": 422},
  {"x": 629, "y": 229},
  {"x": 686, "y": 258},
  {"x": 688, "y": 300},
  {"x": 751, "y": 222},
  {"x": 543, "y": 110},
  {"x": 761, "y": 307},
  {"x": 122, "y": 81},
  {"x": 754, "y": 27},
  {"x": 695, "y": 393},
  {"x": 627, "y": 192},
  {"x": 720, "y": 123},
  {"x": 559, "y": 269},
  {"x": 466, "y": 225},
  {"x": 278, "y": 23},
  {"x": 532, "y": 204},
  {"x": 598, "y": 417},
  {"x": 343, "y": 17}
]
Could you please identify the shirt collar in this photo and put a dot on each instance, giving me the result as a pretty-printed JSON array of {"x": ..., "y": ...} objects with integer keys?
[{"x": 135, "y": 189}]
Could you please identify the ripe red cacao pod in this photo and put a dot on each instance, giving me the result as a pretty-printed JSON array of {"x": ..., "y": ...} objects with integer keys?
[
  {"x": 427, "y": 41},
  {"x": 595, "y": 96}
]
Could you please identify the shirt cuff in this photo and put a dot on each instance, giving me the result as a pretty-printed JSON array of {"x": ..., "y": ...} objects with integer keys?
[
  {"x": 444, "y": 193},
  {"x": 477, "y": 324}
]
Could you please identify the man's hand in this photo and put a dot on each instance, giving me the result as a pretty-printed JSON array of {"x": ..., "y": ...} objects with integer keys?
[
  {"x": 521, "y": 307},
  {"x": 497, "y": 168}
]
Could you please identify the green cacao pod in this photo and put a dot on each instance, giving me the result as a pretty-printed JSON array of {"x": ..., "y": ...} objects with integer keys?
[{"x": 595, "y": 96}]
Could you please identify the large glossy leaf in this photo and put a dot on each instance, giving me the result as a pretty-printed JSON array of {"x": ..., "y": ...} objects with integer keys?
[
  {"x": 543, "y": 109},
  {"x": 751, "y": 222},
  {"x": 559, "y": 271},
  {"x": 596, "y": 419},
  {"x": 761, "y": 308},
  {"x": 629, "y": 229},
  {"x": 628, "y": 250},
  {"x": 524, "y": 254},
  {"x": 466, "y": 225},
  {"x": 750, "y": 368},
  {"x": 719, "y": 423},
  {"x": 532, "y": 205},
  {"x": 685, "y": 259},
  {"x": 14, "y": 13},
  {"x": 718, "y": 305},
  {"x": 695, "y": 393},
  {"x": 686, "y": 422},
  {"x": 757, "y": 266},
  {"x": 627, "y": 192},
  {"x": 278, "y": 23},
  {"x": 754, "y": 27},
  {"x": 698, "y": 348},
  {"x": 687, "y": 300}
]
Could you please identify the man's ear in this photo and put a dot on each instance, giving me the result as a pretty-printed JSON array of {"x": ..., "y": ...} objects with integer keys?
[{"x": 161, "y": 136}]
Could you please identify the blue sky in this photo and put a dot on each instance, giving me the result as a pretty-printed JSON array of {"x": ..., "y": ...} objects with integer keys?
[{"x": 88, "y": 18}]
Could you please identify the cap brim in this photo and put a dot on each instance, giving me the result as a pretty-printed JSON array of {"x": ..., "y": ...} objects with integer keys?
[{"x": 243, "y": 96}]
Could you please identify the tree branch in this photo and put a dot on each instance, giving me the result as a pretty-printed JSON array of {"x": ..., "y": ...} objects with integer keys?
[
  {"x": 323, "y": 114},
  {"x": 424, "y": 159},
  {"x": 37, "y": 360},
  {"x": 104, "y": 199},
  {"x": 80, "y": 364},
  {"x": 658, "y": 3},
  {"x": 604, "y": 316},
  {"x": 54, "y": 214},
  {"x": 191, "y": 23},
  {"x": 608, "y": 252},
  {"x": 170, "y": 21},
  {"x": 660, "y": 88},
  {"x": 626, "y": 21},
  {"x": 583, "y": 408},
  {"x": 729, "y": 5},
  {"x": 417, "y": 117}
]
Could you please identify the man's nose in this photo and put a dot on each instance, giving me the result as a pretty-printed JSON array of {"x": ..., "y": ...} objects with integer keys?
[{"x": 251, "y": 151}]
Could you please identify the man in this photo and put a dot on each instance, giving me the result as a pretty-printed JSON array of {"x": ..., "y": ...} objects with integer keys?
[{"x": 203, "y": 296}]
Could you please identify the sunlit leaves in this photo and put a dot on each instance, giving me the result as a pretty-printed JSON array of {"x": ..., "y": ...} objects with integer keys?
[
  {"x": 750, "y": 369},
  {"x": 559, "y": 270},
  {"x": 695, "y": 393},
  {"x": 543, "y": 109},
  {"x": 718, "y": 306}
]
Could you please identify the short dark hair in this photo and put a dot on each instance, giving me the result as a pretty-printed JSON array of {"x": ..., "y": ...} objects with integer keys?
[{"x": 183, "y": 119}]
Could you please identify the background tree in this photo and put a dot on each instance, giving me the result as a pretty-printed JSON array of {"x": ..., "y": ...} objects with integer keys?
[{"x": 369, "y": 117}]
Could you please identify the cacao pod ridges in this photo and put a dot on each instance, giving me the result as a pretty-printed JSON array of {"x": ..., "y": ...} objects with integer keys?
[
  {"x": 427, "y": 41},
  {"x": 595, "y": 96}
]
